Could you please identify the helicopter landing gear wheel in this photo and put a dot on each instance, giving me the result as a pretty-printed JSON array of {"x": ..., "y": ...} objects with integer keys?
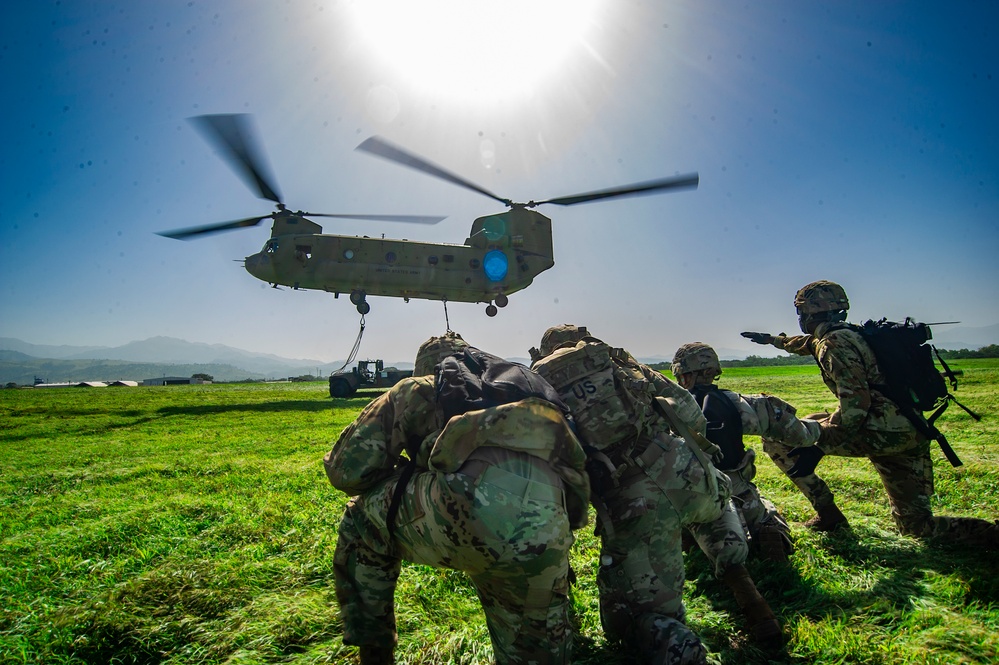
[
  {"x": 502, "y": 300},
  {"x": 491, "y": 310},
  {"x": 357, "y": 297},
  {"x": 363, "y": 307}
]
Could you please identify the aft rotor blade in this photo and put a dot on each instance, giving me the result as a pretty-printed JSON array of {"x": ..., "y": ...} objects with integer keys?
[
  {"x": 411, "y": 219},
  {"x": 186, "y": 234},
  {"x": 234, "y": 136},
  {"x": 650, "y": 187},
  {"x": 382, "y": 148}
]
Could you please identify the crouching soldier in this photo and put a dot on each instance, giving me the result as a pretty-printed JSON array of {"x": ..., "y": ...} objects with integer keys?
[
  {"x": 649, "y": 481},
  {"x": 867, "y": 422},
  {"x": 494, "y": 492},
  {"x": 730, "y": 416}
]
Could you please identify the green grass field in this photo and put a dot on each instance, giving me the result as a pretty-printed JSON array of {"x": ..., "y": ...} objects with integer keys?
[{"x": 194, "y": 524}]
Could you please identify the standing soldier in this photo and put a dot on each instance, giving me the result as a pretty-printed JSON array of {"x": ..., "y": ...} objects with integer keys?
[
  {"x": 492, "y": 492},
  {"x": 866, "y": 423},
  {"x": 649, "y": 480},
  {"x": 730, "y": 416}
]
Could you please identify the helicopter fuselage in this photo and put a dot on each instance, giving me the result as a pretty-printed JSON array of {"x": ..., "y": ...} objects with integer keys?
[{"x": 502, "y": 255}]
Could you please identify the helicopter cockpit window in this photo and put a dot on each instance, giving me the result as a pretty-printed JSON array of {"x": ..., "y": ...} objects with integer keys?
[
  {"x": 271, "y": 246},
  {"x": 495, "y": 265}
]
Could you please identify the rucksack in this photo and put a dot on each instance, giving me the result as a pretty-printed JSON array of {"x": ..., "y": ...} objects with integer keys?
[
  {"x": 912, "y": 380},
  {"x": 470, "y": 380},
  {"x": 597, "y": 384}
]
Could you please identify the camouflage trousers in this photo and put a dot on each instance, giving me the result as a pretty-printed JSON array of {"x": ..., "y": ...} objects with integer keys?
[
  {"x": 728, "y": 540},
  {"x": 640, "y": 578},
  {"x": 505, "y": 525},
  {"x": 902, "y": 459}
]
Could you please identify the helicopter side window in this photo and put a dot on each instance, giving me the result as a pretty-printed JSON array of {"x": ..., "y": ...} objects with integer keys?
[
  {"x": 432, "y": 260},
  {"x": 271, "y": 246},
  {"x": 304, "y": 251},
  {"x": 390, "y": 257}
]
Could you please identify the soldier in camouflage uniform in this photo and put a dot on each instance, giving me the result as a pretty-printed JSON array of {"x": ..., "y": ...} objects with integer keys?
[
  {"x": 865, "y": 422},
  {"x": 647, "y": 487},
  {"x": 730, "y": 416},
  {"x": 495, "y": 493}
]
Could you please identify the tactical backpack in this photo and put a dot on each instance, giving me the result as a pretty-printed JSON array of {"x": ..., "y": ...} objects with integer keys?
[
  {"x": 597, "y": 383},
  {"x": 912, "y": 381},
  {"x": 470, "y": 380}
]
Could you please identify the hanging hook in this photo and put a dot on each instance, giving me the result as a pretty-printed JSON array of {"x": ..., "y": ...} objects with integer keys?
[{"x": 447, "y": 322}]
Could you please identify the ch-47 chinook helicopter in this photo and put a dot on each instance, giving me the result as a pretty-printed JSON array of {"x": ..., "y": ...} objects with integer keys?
[{"x": 503, "y": 253}]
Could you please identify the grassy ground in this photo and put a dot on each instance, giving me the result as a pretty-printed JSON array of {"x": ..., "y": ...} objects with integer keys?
[{"x": 194, "y": 524}]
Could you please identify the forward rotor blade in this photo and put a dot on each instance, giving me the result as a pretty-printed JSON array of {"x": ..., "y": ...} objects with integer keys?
[
  {"x": 649, "y": 187},
  {"x": 234, "y": 136},
  {"x": 382, "y": 148},
  {"x": 411, "y": 219},
  {"x": 185, "y": 234}
]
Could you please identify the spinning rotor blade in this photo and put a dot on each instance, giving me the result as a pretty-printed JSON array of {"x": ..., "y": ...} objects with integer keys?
[
  {"x": 191, "y": 231},
  {"x": 382, "y": 148},
  {"x": 412, "y": 219},
  {"x": 233, "y": 135},
  {"x": 649, "y": 187}
]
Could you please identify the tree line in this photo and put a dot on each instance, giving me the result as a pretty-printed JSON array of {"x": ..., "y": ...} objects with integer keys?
[{"x": 989, "y": 351}]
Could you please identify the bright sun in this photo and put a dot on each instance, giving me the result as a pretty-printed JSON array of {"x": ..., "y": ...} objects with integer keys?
[{"x": 474, "y": 49}]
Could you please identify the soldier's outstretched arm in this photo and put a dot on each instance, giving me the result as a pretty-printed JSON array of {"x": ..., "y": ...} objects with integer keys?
[{"x": 369, "y": 448}]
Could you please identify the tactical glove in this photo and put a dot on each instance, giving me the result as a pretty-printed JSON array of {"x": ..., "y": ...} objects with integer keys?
[
  {"x": 807, "y": 459},
  {"x": 758, "y": 337}
]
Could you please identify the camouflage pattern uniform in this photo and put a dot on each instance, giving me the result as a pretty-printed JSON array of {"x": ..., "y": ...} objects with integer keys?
[
  {"x": 646, "y": 491},
  {"x": 495, "y": 494},
  {"x": 696, "y": 366},
  {"x": 868, "y": 424}
]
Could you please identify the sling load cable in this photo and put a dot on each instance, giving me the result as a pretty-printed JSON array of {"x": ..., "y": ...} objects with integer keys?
[{"x": 353, "y": 351}]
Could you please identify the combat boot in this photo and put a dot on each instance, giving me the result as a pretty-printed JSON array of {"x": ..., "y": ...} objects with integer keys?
[
  {"x": 377, "y": 656},
  {"x": 829, "y": 518},
  {"x": 760, "y": 619}
]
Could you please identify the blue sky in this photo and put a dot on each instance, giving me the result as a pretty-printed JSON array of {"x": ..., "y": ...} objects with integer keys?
[{"x": 852, "y": 141}]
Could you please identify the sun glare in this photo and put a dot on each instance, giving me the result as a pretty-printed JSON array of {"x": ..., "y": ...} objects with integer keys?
[{"x": 474, "y": 49}]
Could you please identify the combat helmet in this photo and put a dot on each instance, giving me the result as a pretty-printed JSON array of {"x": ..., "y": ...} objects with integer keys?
[
  {"x": 556, "y": 336},
  {"x": 436, "y": 349},
  {"x": 821, "y": 296},
  {"x": 695, "y": 357}
]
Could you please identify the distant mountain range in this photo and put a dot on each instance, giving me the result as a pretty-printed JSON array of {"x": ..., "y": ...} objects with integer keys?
[{"x": 21, "y": 362}]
